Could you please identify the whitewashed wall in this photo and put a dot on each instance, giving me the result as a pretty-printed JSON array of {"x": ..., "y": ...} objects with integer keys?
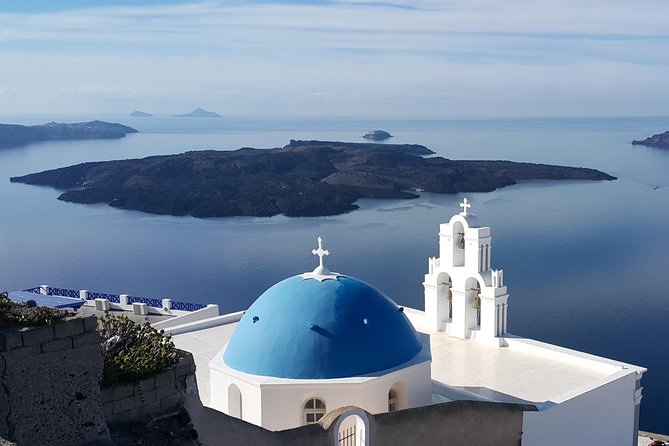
[
  {"x": 251, "y": 396},
  {"x": 604, "y": 415},
  {"x": 277, "y": 404},
  {"x": 282, "y": 403}
]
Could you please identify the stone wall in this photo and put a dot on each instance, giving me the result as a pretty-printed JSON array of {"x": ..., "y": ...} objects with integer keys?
[
  {"x": 142, "y": 401},
  {"x": 457, "y": 422},
  {"x": 454, "y": 423},
  {"x": 49, "y": 392}
]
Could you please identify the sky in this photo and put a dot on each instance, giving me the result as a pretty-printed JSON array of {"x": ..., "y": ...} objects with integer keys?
[{"x": 349, "y": 58}]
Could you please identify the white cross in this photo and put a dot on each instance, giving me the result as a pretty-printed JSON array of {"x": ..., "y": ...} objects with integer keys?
[
  {"x": 320, "y": 252},
  {"x": 465, "y": 205}
]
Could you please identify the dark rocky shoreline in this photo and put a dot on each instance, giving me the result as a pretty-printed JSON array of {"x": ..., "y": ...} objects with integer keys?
[
  {"x": 304, "y": 178},
  {"x": 661, "y": 140},
  {"x": 12, "y": 135}
]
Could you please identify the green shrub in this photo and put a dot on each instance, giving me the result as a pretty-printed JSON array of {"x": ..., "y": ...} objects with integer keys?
[
  {"x": 26, "y": 314},
  {"x": 133, "y": 351}
]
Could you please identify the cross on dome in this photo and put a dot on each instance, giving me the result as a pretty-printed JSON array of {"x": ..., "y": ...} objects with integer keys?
[
  {"x": 320, "y": 252},
  {"x": 464, "y": 205},
  {"x": 321, "y": 273}
]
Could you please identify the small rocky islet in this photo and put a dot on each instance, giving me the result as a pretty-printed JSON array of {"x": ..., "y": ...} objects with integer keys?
[
  {"x": 199, "y": 113},
  {"x": 140, "y": 114},
  {"x": 661, "y": 140},
  {"x": 303, "y": 178},
  {"x": 377, "y": 135}
]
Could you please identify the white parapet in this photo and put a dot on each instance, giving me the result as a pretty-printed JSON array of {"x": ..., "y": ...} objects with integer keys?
[
  {"x": 197, "y": 320},
  {"x": 140, "y": 309},
  {"x": 102, "y": 305}
]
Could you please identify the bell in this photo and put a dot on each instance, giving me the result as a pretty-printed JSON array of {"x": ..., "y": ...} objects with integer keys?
[
  {"x": 477, "y": 302},
  {"x": 461, "y": 245}
]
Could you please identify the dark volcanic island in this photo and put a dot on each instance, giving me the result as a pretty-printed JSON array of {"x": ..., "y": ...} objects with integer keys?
[
  {"x": 661, "y": 140},
  {"x": 12, "y": 135},
  {"x": 304, "y": 178}
]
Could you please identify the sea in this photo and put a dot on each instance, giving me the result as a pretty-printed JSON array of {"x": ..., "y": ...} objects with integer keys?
[{"x": 586, "y": 263}]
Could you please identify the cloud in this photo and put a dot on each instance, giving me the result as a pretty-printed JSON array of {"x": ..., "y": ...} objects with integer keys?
[
  {"x": 109, "y": 91},
  {"x": 7, "y": 92},
  {"x": 5, "y": 33},
  {"x": 348, "y": 23},
  {"x": 423, "y": 51}
]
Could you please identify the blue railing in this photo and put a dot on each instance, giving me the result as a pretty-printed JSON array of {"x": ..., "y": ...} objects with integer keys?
[
  {"x": 110, "y": 297},
  {"x": 64, "y": 292},
  {"x": 187, "y": 306},
  {"x": 150, "y": 301}
]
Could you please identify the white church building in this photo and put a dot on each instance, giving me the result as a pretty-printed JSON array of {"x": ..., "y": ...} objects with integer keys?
[{"x": 319, "y": 341}]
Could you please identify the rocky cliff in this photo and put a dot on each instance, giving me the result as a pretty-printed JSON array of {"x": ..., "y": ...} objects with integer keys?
[
  {"x": 660, "y": 140},
  {"x": 12, "y": 135}
]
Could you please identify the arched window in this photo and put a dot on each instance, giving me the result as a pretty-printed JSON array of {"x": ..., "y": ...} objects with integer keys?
[
  {"x": 314, "y": 410},
  {"x": 234, "y": 401},
  {"x": 392, "y": 400}
]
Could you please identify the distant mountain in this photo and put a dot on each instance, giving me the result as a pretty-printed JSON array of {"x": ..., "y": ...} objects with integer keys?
[
  {"x": 12, "y": 135},
  {"x": 304, "y": 178},
  {"x": 139, "y": 114},
  {"x": 199, "y": 113},
  {"x": 377, "y": 135},
  {"x": 660, "y": 140}
]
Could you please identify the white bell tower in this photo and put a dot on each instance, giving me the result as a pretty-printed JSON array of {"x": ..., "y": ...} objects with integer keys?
[{"x": 463, "y": 296}]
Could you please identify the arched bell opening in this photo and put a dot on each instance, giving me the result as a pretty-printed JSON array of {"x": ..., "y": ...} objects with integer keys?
[
  {"x": 445, "y": 296},
  {"x": 473, "y": 303},
  {"x": 458, "y": 237}
]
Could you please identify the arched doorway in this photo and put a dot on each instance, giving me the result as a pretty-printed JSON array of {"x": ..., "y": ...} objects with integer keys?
[
  {"x": 352, "y": 429},
  {"x": 234, "y": 401}
]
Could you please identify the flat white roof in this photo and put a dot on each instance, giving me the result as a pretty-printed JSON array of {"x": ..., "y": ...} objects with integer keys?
[{"x": 524, "y": 371}]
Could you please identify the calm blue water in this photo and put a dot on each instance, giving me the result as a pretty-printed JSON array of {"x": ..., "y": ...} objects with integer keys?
[{"x": 586, "y": 262}]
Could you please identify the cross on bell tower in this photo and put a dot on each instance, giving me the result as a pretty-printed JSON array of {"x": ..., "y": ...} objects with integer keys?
[{"x": 464, "y": 205}]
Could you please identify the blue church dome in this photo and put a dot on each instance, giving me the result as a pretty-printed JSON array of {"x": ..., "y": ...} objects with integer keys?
[{"x": 309, "y": 328}]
